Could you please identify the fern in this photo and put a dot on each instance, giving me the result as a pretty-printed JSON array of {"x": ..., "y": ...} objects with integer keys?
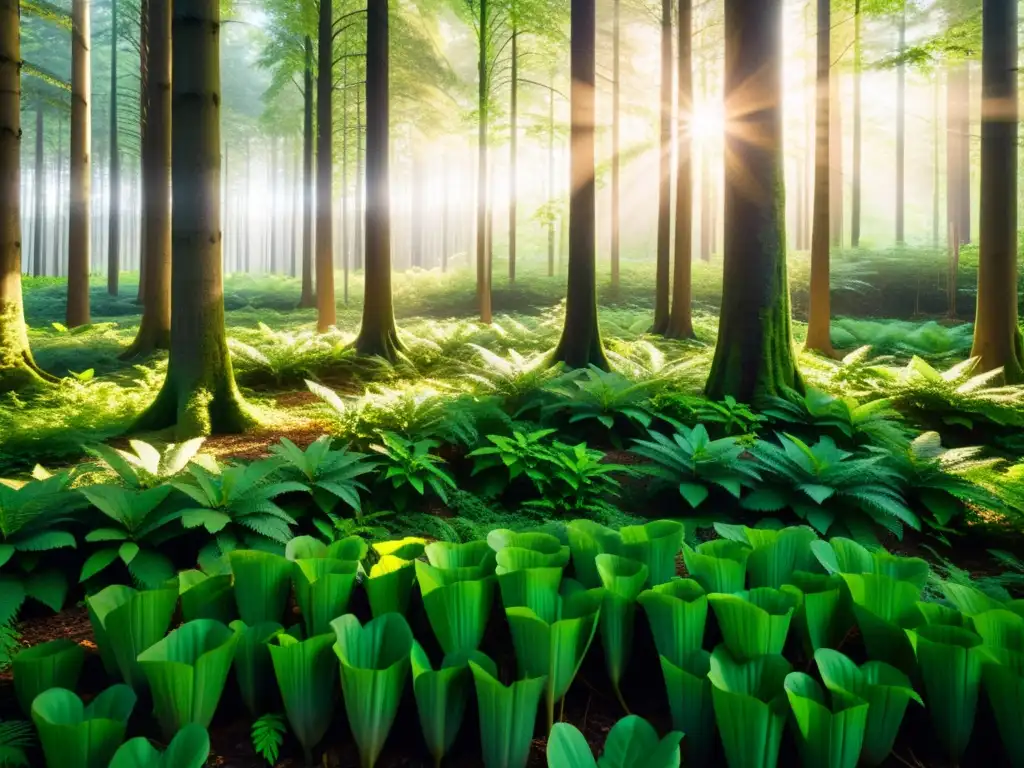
[
  {"x": 410, "y": 466},
  {"x": 268, "y": 734},
  {"x": 16, "y": 738},
  {"x": 330, "y": 476},
  {"x": 145, "y": 466}
]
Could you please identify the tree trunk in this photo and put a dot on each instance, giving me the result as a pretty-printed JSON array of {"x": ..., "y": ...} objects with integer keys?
[
  {"x": 114, "y": 236},
  {"x": 275, "y": 209},
  {"x": 79, "y": 225},
  {"x": 417, "y": 246},
  {"x": 706, "y": 198},
  {"x": 40, "y": 194},
  {"x": 997, "y": 338},
  {"x": 360, "y": 241},
  {"x": 958, "y": 152},
  {"x": 835, "y": 195},
  {"x": 616, "y": 141},
  {"x": 857, "y": 67},
  {"x": 155, "y": 327},
  {"x": 754, "y": 353},
  {"x": 199, "y": 395},
  {"x": 378, "y": 334},
  {"x": 483, "y": 288},
  {"x": 819, "y": 337},
  {"x": 513, "y": 167},
  {"x": 901, "y": 129},
  {"x": 17, "y": 368},
  {"x": 294, "y": 258},
  {"x": 325, "y": 309},
  {"x": 551, "y": 179},
  {"x": 580, "y": 344},
  {"x": 936, "y": 163},
  {"x": 143, "y": 120},
  {"x": 59, "y": 237},
  {"x": 663, "y": 264},
  {"x": 307, "y": 299},
  {"x": 344, "y": 183},
  {"x": 680, "y": 324}
]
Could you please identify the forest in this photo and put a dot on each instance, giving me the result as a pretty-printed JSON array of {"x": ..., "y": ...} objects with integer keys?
[{"x": 511, "y": 383}]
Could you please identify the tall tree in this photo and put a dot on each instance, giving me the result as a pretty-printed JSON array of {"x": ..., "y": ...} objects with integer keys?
[
  {"x": 17, "y": 368},
  {"x": 114, "y": 215},
  {"x": 901, "y": 127},
  {"x": 580, "y": 344},
  {"x": 680, "y": 323},
  {"x": 663, "y": 263},
  {"x": 40, "y": 194},
  {"x": 958, "y": 151},
  {"x": 199, "y": 395},
  {"x": 754, "y": 353},
  {"x": 307, "y": 299},
  {"x": 155, "y": 328},
  {"x": 997, "y": 337},
  {"x": 484, "y": 70},
  {"x": 80, "y": 224},
  {"x": 819, "y": 337},
  {"x": 378, "y": 334},
  {"x": 616, "y": 141},
  {"x": 513, "y": 146},
  {"x": 325, "y": 310},
  {"x": 855, "y": 192}
]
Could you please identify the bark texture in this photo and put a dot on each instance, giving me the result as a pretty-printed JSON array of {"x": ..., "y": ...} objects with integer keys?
[
  {"x": 663, "y": 261},
  {"x": 680, "y": 323},
  {"x": 483, "y": 266},
  {"x": 114, "y": 216},
  {"x": 307, "y": 298},
  {"x": 326, "y": 315},
  {"x": 79, "y": 222}
]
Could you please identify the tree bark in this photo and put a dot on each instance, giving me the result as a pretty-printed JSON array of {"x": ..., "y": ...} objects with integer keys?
[
  {"x": 616, "y": 142},
  {"x": 580, "y": 344},
  {"x": 345, "y": 261},
  {"x": 155, "y": 327},
  {"x": 307, "y": 298},
  {"x": 80, "y": 224},
  {"x": 513, "y": 167},
  {"x": 856, "y": 191},
  {"x": 378, "y": 334},
  {"x": 143, "y": 120},
  {"x": 997, "y": 337},
  {"x": 836, "y": 218},
  {"x": 754, "y": 353},
  {"x": 199, "y": 395},
  {"x": 325, "y": 310},
  {"x": 359, "y": 246},
  {"x": 663, "y": 263},
  {"x": 706, "y": 197},
  {"x": 901, "y": 129},
  {"x": 819, "y": 337},
  {"x": 17, "y": 368},
  {"x": 114, "y": 223},
  {"x": 958, "y": 149},
  {"x": 40, "y": 194},
  {"x": 680, "y": 324},
  {"x": 551, "y": 179},
  {"x": 483, "y": 286}
]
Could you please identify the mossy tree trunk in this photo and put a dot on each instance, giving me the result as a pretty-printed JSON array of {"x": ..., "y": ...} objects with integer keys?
[
  {"x": 997, "y": 338},
  {"x": 307, "y": 299},
  {"x": 155, "y": 328},
  {"x": 580, "y": 344},
  {"x": 680, "y": 323},
  {"x": 199, "y": 395},
  {"x": 663, "y": 256},
  {"x": 819, "y": 337},
  {"x": 378, "y": 334},
  {"x": 79, "y": 224},
  {"x": 17, "y": 369},
  {"x": 754, "y": 355},
  {"x": 326, "y": 314}
]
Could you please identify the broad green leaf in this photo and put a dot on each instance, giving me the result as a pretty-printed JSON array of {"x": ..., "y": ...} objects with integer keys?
[
  {"x": 56, "y": 664},
  {"x": 254, "y": 669},
  {"x": 884, "y": 607},
  {"x": 457, "y": 612},
  {"x": 623, "y": 580},
  {"x": 262, "y": 581},
  {"x": 207, "y": 597},
  {"x": 323, "y": 588},
  {"x": 507, "y": 715},
  {"x": 1004, "y": 684},
  {"x": 441, "y": 696},
  {"x": 568, "y": 749},
  {"x": 188, "y": 749},
  {"x": 677, "y": 612},
  {"x": 633, "y": 743},
  {"x": 689, "y": 699},
  {"x": 587, "y": 540},
  {"x": 655, "y": 544},
  {"x": 73, "y": 735},
  {"x": 755, "y": 622},
  {"x": 828, "y": 737},
  {"x": 533, "y": 588},
  {"x": 718, "y": 566},
  {"x": 306, "y": 673},
  {"x": 389, "y": 585},
  {"x": 821, "y": 617}
]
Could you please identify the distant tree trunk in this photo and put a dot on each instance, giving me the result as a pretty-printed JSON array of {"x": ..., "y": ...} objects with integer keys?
[
  {"x": 344, "y": 182},
  {"x": 680, "y": 324},
  {"x": 79, "y": 227},
  {"x": 513, "y": 167},
  {"x": 325, "y": 310},
  {"x": 936, "y": 163},
  {"x": 616, "y": 142},
  {"x": 580, "y": 344},
  {"x": 247, "y": 237},
  {"x": 835, "y": 195},
  {"x": 360, "y": 240},
  {"x": 143, "y": 119},
  {"x": 663, "y": 262},
  {"x": 798, "y": 224},
  {"x": 445, "y": 216},
  {"x": 307, "y": 299},
  {"x": 114, "y": 237},
  {"x": 275, "y": 208},
  {"x": 819, "y": 337},
  {"x": 17, "y": 368},
  {"x": 483, "y": 287},
  {"x": 199, "y": 395},
  {"x": 754, "y": 353},
  {"x": 378, "y": 334},
  {"x": 901, "y": 128},
  {"x": 706, "y": 198},
  {"x": 294, "y": 258},
  {"x": 416, "y": 255},
  {"x": 551, "y": 179},
  {"x": 857, "y": 67},
  {"x": 958, "y": 149},
  {"x": 155, "y": 327},
  {"x": 997, "y": 337},
  {"x": 59, "y": 239},
  {"x": 40, "y": 193}
]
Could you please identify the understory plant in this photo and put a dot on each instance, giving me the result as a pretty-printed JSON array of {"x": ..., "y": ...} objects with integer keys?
[
  {"x": 632, "y": 743},
  {"x": 188, "y": 749},
  {"x": 330, "y": 475},
  {"x": 74, "y": 735},
  {"x": 410, "y": 466},
  {"x": 506, "y": 714},
  {"x": 307, "y": 674},
  {"x": 146, "y": 466}
]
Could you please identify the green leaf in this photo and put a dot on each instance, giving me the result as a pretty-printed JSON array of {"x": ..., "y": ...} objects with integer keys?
[
  {"x": 389, "y": 585},
  {"x": 262, "y": 581},
  {"x": 56, "y": 664},
  {"x": 188, "y": 749},
  {"x": 441, "y": 696},
  {"x": 1004, "y": 684},
  {"x": 507, "y": 716},
  {"x": 828, "y": 737},
  {"x": 587, "y": 540},
  {"x": 306, "y": 676},
  {"x": 73, "y": 735},
  {"x": 457, "y": 612},
  {"x": 694, "y": 493},
  {"x": 718, "y": 566},
  {"x": 568, "y": 749},
  {"x": 128, "y": 551},
  {"x": 633, "y": 743},
  {"x": 689, "y": 699},
  {"x": 677, "y": 612},
  {"x": 207, "y": 597},
  {"x": 374, "y": 667},
  {"x": 323, "y": 587},
  {"x": 655, "y": 544},
  {"x": 623, "y": 580},
  {"x": 96, "y": 562},
  {"x": 187, "y": 671},
  {"x": 254, "y": 670},
  {"x": 49, "y": 587},
  {"x": 756, "y": 622}
]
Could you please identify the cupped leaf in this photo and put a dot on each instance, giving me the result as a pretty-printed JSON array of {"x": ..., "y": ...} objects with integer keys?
[
  {"x": 623, "y": 579},
  {"x": 131, "y": 622},
  {"x": 389, "y": 585},
  {"x": 187, "y": 671},
  {"x": 458, "y": 612},
  {"x": 587, "y": 540},
  {"x": 323, "y": 587},
  {"x": 519, "y": 558},
  {"x": 677, "y": 612},
  {"x": 475, "y": 555},
  {"x": 206, "y": 596},
  {"x": 349, "y": 548},
  {"x": 188, "y": 749},
  {"x": 408, "y": 548},
  {"x": 253, "y": 668},
  {"x": 56, "y": 664},
  {"x": 655, "y": 544},
  {"x": 1000, "y": 628},
  {"x": 73, "y": 735},
  {"x": 306, "y": 672},
  {"x": 533, "y": 588},
  {"x": 755, "y": 622},
  {"x": 262, "y": 581},
  {"x": 1003, "y": 679},
  {"x": 828, "y": 737},
  {"x": 718, "y": 566},
  {"x": 884, "y": 607},
  {"x": 632, "y": 743},
  {"x": 507, "y": 716},
  {"x": 689, "y": 700},
  {"x": 776, "y": 554},
  {"x": 822, "y": 617},
  {"x": 374, "y": 667},
  {"x": 750, "y": 707},
  {"x": 550, "y": 549}
]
